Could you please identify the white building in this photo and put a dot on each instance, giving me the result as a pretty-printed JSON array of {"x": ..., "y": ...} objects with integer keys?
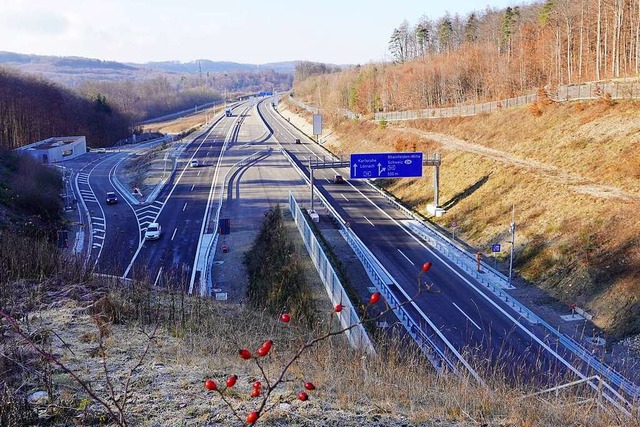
[{"x": 56, "y": 149}]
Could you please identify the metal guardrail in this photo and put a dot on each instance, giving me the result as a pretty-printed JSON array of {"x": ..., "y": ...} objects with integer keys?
[
  {"x": 495, "y": 280},
  {"x": 355, "y": 331},
  {"x": 383, "y": 282},
  {"x": 188, "y": 111},
  {"x": 207, "y": 285}
]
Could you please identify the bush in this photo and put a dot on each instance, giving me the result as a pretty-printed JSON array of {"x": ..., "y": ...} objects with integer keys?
[{"x": 276, "y": 279}]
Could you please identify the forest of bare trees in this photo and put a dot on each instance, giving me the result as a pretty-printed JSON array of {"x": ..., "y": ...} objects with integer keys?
[
  {"x": 492, "y": 54},
  {"x": 32, "y": 109},
  {"x": 106, "y": 111},
  {"x": 162, "y": 94}
]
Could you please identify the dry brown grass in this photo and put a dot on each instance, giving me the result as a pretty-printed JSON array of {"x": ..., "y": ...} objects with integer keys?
[
  {"x": 571, "y": 171},
  {"x": 183, "y": 124},
  {"x": 395, "y": 388}
]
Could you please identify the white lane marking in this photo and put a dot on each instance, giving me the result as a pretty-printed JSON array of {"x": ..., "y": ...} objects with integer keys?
[
  {"x": 368, "y": 220},
  {"x": 465, "y": 315},
  {"x": 174, "y": 234},
  {"x": 328, "y": 180},
  {"x": 157, "y": 277},
  {"x": 198, "y": 173},
  {"x": 192, "y": 187},
  {"x": 406, "y": 257},
  {"x": 344, "y": 197},
  {"x": 487, "y": 298},
  {"x": 184, "y": 207}
]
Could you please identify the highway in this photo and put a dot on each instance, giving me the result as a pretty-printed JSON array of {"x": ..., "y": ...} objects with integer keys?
[
  {"x": 471, "y": 326},
  {"x": 484, "y": 332}
]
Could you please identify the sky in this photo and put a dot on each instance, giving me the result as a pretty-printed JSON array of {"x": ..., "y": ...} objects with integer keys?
[{"x": 245, "y": 31}]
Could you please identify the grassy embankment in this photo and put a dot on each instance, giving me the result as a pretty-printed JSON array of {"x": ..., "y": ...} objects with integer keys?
[
  {"x": 571, "y": 174},
  {"x": 157, "y": 346}
]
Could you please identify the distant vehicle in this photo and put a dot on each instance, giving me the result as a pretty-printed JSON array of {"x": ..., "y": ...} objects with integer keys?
[
  {"x": 101, "y": 150},
  {"x": 112, "y": 198},
  {"x": 297, "y": 140},
  {"x": 338, "y": 179},
  {"x": 227, "y": 112},
  {"x": 194, "y": 163},
  {"x": 153, "y": 231}
]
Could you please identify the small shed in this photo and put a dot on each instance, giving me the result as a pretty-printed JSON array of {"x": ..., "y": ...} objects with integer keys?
[{"x": 56, "y": 149}]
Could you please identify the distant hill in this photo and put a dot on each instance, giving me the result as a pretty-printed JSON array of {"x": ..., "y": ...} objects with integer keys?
[
  {"x": 71, "y": 69},
  {"x": 205, "y": 65}
]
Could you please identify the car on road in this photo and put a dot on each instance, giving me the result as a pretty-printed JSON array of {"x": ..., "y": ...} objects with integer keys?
[
  {"x": 338, "y": 179},
  {"x": 101, "y": 150},
  {"x": 153, "y": 231},
  {"x": 297, "y": 140},
  {"x": 194, "y": 163},
  {"x": 111, "y": 198}
]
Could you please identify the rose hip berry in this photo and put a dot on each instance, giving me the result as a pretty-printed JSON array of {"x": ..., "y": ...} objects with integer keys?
[
  {"x": 252, "y": 417},
  {"x": 285, "y": 317},
  {"x": 374, "y": 298},
  {"x": 210, "y": 385},
  {"x": 309, "y": 386},
  {"x": 244, "y": 354},
  {"x": 303, "y": 396},
  {"x": 338, "y": 308},
  {"x": 426, "y": 266},
  {"x": 231, "y": 381},
  {"x": 267, "y": 345}
]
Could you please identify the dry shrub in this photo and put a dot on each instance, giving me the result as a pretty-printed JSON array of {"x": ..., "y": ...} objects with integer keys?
[
  {"x": 405, "y": 143},
  {"x": 606, "y": 100},
  {"x": 543, "y": 97},
  {"x": 535, "y": 109}
]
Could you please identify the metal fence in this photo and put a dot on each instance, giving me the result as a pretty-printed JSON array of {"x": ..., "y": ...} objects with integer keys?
[
  {"x": 629, "y": 89},
  {"x": 354, "y": 330},
  {"x": 304, "y": 106}
]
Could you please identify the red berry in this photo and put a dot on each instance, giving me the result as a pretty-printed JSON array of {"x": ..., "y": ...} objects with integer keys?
[
  {"x": 252, "y": 417},
  {"x": 303, "y": 396},
  {"x": 210, "y": 385},
  {"x": 267, "y": 345},
  {"x": 245, "y": 354},
  {"x": 262, "y": 351},
  {"x": 257, "y": 384},
  {"x": 374, "y": 298},
  {"x": 426, "y": 266},
  {"x": 309, "y": 386},
  {"x": 284, "y": 317},
  {"x": 255, "y": 392},
  {"x": 338, "y": 308},
  {"x": 231, "y": 381}
]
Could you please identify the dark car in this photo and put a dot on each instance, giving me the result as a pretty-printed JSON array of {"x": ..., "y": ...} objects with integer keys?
[
  {"x": 338, "y": 179},
  {"x": 297, "y": 140},
  {"x": 112, "y": 198}
]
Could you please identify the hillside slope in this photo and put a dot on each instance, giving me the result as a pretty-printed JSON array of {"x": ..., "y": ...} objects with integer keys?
[{"x": 571, "y": 175}]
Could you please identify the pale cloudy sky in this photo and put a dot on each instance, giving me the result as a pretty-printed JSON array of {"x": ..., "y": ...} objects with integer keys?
[{"x": 248, "y": 31}]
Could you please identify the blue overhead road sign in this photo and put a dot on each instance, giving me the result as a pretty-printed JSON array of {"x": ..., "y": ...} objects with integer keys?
[{"x": 386, "y": 165}]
